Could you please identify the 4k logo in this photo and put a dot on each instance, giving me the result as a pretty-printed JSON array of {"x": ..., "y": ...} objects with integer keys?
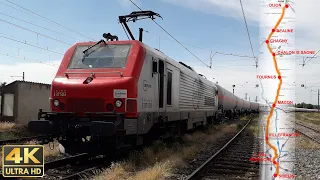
[{"x": 22, "y": 161}]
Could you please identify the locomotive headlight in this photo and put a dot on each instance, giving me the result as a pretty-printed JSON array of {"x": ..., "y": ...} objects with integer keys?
[
  {"x": 56, "y": 103},
  {"x": 118, "y": 103}
]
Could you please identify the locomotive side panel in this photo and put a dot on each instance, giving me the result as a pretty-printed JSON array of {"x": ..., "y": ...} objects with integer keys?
[
  {"x": 196, "y": 94},
  {"x": 172, "y": 92},
  {"x": 147, "y": 96}
]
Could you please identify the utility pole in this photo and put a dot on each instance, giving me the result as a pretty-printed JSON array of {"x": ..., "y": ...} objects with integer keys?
[
  {"x": 318, "y": 100},
  {"x": 246, "y": 96},
  {"x": 233, "y": 88},
  {"x": 19, "y": 76},
  {"x": 211, "y": 56}
]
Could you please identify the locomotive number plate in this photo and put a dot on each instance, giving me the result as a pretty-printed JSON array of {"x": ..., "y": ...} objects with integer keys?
[{"x": 60, "y": 93}]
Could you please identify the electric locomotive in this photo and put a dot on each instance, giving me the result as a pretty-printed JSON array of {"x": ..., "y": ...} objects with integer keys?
[{"x": 115, "y": 94}]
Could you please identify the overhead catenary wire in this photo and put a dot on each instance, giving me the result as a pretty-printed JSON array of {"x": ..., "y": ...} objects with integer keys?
[
  {"x": 48, "y": 20},
  {"x": 39, "y": 26},
  {"x": 176, "y": 39},
  {"x": 36, "y": 46},
  {"x": 22, "y": 49},
  {"x": 37, "y": 33},
  {"x": 310, "y": 58},
  {"x": 207, "y": 49},
  {"x": 27, "y": 59},
  {"x": 172, "y": 36},
  {"x": 245, "y": 21}
]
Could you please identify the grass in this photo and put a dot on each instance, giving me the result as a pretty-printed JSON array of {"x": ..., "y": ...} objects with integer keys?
[
  {"x": 7, "y": 126},
  {"x": 159, "y": 160},
  {"x": 10, "y": 130},
  {"x": 313, "y": 117},
  {"x": 254, "y": 129},
  {"x": 50, "y": 150},
  {"x": 306, "y": 143}
]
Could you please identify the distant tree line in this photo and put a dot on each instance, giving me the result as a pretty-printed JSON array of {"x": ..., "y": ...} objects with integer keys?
[{"x": 305, "y": 105}]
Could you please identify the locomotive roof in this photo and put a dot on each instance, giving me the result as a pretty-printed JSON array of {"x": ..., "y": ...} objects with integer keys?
[{"x": 177, "y": 64}]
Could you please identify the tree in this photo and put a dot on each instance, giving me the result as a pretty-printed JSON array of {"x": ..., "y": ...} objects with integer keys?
[
  {"x": 309, "y": 106},
  {"x": 2, "y": 85}
]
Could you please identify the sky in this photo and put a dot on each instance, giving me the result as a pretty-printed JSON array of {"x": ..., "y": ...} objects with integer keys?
[{"x": 35, "y": 44}]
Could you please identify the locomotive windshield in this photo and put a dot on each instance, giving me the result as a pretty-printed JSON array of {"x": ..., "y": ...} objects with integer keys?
[{"x": 103, "y": 56}]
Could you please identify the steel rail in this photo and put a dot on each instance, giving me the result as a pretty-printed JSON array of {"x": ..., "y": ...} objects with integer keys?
[
  {"x": 197, "y": 173},
  {"x": 42, "y": 137},
  {"x": 78, "y": 174},
  {"x": 65, "y": 161},
  {"x": 318, "y": 131},
  {"x": 310, "y": 137}
]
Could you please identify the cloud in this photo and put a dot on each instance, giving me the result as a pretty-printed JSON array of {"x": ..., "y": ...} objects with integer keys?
[
  {"x": 307, "y": 37},
  {"x": 34, "y": 72},
  {"x": 227, "y": 8},
  {"x": 306, "y": 15}
]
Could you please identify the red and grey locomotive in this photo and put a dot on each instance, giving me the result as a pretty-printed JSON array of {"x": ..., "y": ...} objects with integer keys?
[{"x": 114, "y": 94}]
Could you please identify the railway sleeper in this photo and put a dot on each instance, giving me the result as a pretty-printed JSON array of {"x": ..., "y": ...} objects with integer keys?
[
  {"x": 233, "y": 172},
  {"x": 229, "y": 177},
  {"x": 242, "y": 164},
  {"x": 233, "y": 167}
]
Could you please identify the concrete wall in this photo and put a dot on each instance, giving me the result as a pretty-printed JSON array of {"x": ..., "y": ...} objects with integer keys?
[
  {"x": 30, "y": 98},
  {"x": 10, "y": 89}
]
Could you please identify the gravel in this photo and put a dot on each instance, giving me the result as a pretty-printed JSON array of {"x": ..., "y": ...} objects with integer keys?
[
  {"x": 314, "y": 126},
  {"x": 182, "y": 172},
  {"x": 307, "y": 159}
]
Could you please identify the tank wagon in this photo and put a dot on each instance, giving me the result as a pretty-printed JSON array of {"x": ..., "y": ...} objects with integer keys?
[
  {"x": 230, "y": 105},
  {"x": 114, "y": 94}
]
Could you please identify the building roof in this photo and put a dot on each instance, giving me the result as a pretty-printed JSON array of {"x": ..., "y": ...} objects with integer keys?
[{"x": 29, "y": 82}]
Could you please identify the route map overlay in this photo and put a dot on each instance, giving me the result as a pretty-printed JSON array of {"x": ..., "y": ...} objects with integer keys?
[{"x": 276, "y": 76}]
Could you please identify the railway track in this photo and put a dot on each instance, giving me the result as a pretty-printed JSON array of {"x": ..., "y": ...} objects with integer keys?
[
  {"x": 80, "y": 166},
  {"x": 43, "y": 139},
  {"x": 308, "y": 131},
  {"x": 74, "y": 167},
  {"x": 232, "y": 160}
]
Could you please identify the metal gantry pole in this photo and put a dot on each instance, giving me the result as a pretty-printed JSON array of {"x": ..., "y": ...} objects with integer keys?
[{"x": 318, "y": 100}]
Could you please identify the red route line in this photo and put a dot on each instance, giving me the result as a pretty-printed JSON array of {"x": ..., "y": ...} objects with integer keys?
[{"x": 278, "y": 90}]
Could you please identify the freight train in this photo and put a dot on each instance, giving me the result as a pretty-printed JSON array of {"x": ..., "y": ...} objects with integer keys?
[{"x": 114, "y": 94}]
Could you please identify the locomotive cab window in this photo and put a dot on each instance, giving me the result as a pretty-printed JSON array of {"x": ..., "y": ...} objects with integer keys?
[
  {"x": 103, "y": 56},
  {"x": 169, "y": 88}
]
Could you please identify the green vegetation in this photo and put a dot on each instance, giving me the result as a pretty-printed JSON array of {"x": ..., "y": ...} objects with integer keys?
[
  {"x": 311, "y": 117},
  {"x": 159, "y": 160},
  {"x": 304, "y": 105}
]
